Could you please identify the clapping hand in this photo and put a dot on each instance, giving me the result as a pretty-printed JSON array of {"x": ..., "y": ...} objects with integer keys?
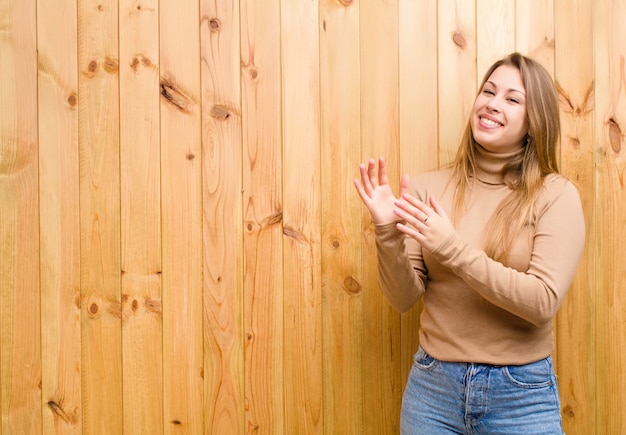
[
  {"x": 427, "y": 223},
  {"x": 376, "y": 193}
]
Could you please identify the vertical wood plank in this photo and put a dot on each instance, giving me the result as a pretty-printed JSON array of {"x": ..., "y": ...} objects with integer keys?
[
  {"x": 379, "y": 137},
  {"x": 575, "y": 330},
  {"x": 59, "y": 217},
  {"x": 341, "y": 217},
  {"x": 100, "y": 217},
  {"x": 222, "y": 223},
  {"x": 609, "y": 232},
  {"x": 309, "y": 349},
  {"x": 418, "y": 120},
  {"x": 534, "y": 30},
  {"x": 262, "y": 214},
  {"x": 140, "y": 217},
  {"x": 495, "y": 32},
  {"x": 181, "y": 214},
  {"x": 303, "y": 361},
  {"x": 457, "y": 71},
  {"x": 20, "y": 344}
]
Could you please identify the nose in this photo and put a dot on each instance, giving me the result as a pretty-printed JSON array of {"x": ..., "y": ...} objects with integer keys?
[{"x": 493, "y": 105}]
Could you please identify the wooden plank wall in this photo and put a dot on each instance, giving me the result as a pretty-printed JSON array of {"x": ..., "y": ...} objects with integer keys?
[{"x": 181, "y": 247}]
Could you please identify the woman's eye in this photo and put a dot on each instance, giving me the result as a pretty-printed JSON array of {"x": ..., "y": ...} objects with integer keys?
[
  {"x": 514, "y": 100},
  {"x": 488, "y": 92}
]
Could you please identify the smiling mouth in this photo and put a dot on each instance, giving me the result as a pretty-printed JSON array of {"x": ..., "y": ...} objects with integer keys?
[{"x": 490, "y": 123}]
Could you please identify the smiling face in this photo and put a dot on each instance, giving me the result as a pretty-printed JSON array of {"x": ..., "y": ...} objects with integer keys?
[{"x": 499, "y": 121}]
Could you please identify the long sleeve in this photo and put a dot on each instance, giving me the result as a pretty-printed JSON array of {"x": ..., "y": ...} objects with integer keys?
[
  {"x": 534, "y": 294},
  {"x": 401, "y": 270}
]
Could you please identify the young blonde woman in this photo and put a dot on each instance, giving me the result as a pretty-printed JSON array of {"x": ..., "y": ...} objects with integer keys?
[{"x": 491, "y": 244}]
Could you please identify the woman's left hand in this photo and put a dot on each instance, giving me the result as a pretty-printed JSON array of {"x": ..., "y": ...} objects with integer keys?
[{"x": 427, "y": 223}]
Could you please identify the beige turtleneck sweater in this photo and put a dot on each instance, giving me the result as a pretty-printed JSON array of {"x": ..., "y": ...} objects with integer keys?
[{"x": 477, "y": 309}]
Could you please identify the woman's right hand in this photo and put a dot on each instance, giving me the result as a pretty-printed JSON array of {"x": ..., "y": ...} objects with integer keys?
[{"x": 374, "y": 190}]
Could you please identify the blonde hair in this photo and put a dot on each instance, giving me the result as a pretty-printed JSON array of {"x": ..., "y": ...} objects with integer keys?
[{"x": 525, "y": 173}]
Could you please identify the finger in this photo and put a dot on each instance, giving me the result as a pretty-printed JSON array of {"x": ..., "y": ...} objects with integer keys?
[
  {"x": 410, "y": 215},
  {"x": 404, "y": 184},
  {"x": 437, "y": 208},
  {"x": 371, "y": 172},
  {"x": 410, "y": 231},
  {"x": 361, "y": 191},
  {"x": 420, "y": 205},
  {"x": 382, "y": 172},
  {"x": 365, "y": 180}
]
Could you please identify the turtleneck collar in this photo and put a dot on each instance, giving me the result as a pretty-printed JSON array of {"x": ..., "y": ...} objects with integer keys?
[{"x": 489, "y": 165}]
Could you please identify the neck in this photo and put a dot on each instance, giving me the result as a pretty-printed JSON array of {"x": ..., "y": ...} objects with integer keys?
[{"x": 489, "y": 165}]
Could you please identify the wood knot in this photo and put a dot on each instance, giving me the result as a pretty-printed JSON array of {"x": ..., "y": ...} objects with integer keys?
[
  {"x": 351, "y": 285},
  {"x": 93, "y": 308},
  {"x": 111, "y": 65},
  {"x": 336, "y": 244},
  {"x": 294, "y": 234},
  {"x": 92, "y": 67},
  {"x": 568, "y": 411},
  {"x": 615, "y": 136},
  {"x": 153, "y": 306},
  {"x": 254, "y": 73},
  {"x": 59, "y": 412},
  {"x": 173, "y": 95},
  {"x": 574, "y": 142},
  {"x": 459, "y": 40},
  {"x": 214, "y": 25},
  {"x": 219, "y": 112},
  {"x": 72, "y": 99},
  {"x": 190, "y": 156}
]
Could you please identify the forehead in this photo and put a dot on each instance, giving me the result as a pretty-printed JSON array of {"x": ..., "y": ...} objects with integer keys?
[{"x": 507, "y": 77}]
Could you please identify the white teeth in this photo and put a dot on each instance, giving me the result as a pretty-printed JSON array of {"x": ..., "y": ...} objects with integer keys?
[{"x": 490, "y": 123}]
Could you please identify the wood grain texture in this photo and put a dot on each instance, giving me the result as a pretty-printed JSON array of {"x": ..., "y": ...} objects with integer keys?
[
  {"x": 575, "y": 329},
  {"x": 534, "y": 32},
  {"x": 302, "y": 317},
  {"x": 379, "y": 137},
  {"x": 181, "y": 246},
  {"x": 100, "y": 217},
  {"x": 457, "y": 71},
  {"x": 341, "y": 217},
  {"x": 222, "y": 223},
  {"x": 418, "y": 113},
  {"x": 20, "y": 320},
  {"x": 495, "y": 32},
  {"x": 610, "y": 224},
  {"x": 140, "y": 172},
  {"x": 59, "y": 217},
  {"x": 181, "y": 215},
  {"x": 262, "y": 216}
]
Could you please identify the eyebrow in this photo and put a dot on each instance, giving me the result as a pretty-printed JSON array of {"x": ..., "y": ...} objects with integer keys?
[{"x": 508, "y": 90}]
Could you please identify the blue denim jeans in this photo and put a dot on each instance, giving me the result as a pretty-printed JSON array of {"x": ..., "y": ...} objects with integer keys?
[{"x": 464, "y": 398}]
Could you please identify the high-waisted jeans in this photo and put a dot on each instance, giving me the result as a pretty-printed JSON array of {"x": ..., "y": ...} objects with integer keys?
[{"x": 464, "y": 398}]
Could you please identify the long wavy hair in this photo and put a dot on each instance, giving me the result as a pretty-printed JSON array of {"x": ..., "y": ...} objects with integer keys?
[{"x": 525, "y": 173}]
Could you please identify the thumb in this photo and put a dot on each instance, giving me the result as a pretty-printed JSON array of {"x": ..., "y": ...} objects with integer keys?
[{"x": 405, "y": 181}]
